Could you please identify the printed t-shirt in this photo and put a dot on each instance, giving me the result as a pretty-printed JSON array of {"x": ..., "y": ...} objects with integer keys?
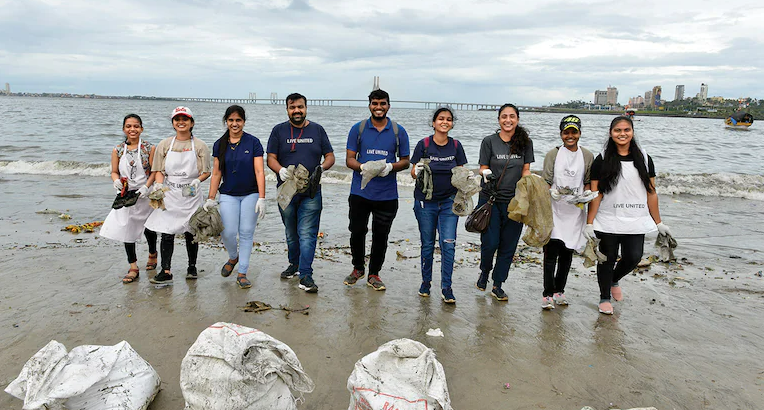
[
  {"x": 294, "y": 146},
  {"x": 442, "y": 160},
  {"x": 596, "y": 171},
  {"x": 203, "y": 158},
  {"x": 495, "y": 153},
  {"x": 376, "y": 145},
  {"x": 239, "y": 178}
]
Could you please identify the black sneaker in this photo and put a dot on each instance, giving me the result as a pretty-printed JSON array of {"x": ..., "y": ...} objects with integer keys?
[
  {"x": 482, "y": 281},
  {"x": 499, "y": 294},
  {"x": 289, "y": 272},
  {"x": 353, "y": 277},
  {"x": 375, "y": 282},
  {"x": 308, "y": 285},
  {"x": 191, "y": 272},
  {"x": 424, "y": 290},
  {"x": 162, "y": 277},
  {"x": 448, "y": 295}
]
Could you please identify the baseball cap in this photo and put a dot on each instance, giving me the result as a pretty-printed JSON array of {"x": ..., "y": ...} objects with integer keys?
[
  {"x": 182, "y": 111},
  {"x": 570, "y": 121}
]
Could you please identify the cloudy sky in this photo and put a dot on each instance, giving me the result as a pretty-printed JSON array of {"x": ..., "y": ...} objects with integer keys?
[{"x": 491, "y": 51}]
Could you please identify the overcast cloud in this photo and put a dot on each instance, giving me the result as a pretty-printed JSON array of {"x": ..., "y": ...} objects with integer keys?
[{"x": 489, "y": 51}]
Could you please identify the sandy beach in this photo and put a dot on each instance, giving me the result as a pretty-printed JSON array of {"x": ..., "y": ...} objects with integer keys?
[{"x": 687, "y": 335}]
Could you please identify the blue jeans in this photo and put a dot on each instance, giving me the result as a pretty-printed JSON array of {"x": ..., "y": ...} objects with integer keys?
[
  {"x": 239, "y": 217},
  {"x": 301, "y": 220},
  {"x": 502, "y": 235},
  {"x": 432, "y": 216}
]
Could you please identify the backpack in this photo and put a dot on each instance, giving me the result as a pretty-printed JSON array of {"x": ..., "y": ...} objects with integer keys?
[
  {"x": 393, "y": 125},
  {"x": 425, "y": 152}
]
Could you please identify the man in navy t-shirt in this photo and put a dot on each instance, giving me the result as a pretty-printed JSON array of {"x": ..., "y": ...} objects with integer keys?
[
  {"x": 369, "y": 140},
  {"x": 299, "y": 141}
]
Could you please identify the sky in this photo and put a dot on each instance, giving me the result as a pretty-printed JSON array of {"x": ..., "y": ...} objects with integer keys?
[{"x": 482, "y": 51}]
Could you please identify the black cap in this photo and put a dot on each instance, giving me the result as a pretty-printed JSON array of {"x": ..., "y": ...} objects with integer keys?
[{"x": 570, "y": 121}]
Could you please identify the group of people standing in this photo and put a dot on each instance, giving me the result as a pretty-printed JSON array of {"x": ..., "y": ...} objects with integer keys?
[{"x": 619, "y": 182}]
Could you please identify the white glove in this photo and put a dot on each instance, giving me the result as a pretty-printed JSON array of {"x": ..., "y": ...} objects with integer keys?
[
  {"x": 260, "y": 208},
  {"x": 588, "y": 196},
  {"x": 143, "y": 190},
  {"x": 195, "y": 183},
  {"x": 418, "y": 168},
  {"x": 209, "y": 204},
  {"x": 556, "y": 195},
  {"x": 284, "y": 174},
  {"x": 117, "y": 184},
  {"x": 158, "y": 186},
  {"x": 589, "y": 232},
  {"x": 386, "y": 170},
  {"x": 486, "y": 172},
  {"x": 663, "y": 229}
]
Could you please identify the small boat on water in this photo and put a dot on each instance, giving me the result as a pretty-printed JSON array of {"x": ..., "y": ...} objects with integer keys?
[{"x": 740, "y": 119}]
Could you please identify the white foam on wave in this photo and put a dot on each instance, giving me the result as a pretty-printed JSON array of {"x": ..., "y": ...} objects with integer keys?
[
  {"x": 54, "y": 168},
  {"x": 720, "y": 185}
]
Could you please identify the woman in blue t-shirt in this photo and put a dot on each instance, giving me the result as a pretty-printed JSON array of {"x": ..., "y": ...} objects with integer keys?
[
  {"x": 439, "y": 153},
  {"x": 239, "y": 164}
]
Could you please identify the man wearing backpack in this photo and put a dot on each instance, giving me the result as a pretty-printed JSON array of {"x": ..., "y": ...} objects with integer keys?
[{"x": 373, "y": 139}]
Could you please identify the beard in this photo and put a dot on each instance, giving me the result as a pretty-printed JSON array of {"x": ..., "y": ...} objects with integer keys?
[
  {"x": 378, "y": 118},
  {"x": 297, "y": 119}
]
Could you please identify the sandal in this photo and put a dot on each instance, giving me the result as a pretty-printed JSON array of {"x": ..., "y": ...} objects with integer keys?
[
  {"x": 130, "y": 278},
  {"x": 243, "y": 282},
  {"x": 151, "y": 264},
  {"x": 227, "y": 269}
]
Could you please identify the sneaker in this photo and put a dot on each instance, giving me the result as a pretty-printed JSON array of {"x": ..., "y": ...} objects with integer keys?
[
  {"x": 375, "y": 282},
  {"x": 499, "y": 294},
  {"x": 162, "y": 277},
  {"x": 289, "y": 272},
  {"x": 547, "y": 303},
  {"x": 308, "y": 285},
  {"x": 616, "y": 293},
  {"x": 482, "y": 281},
  {"x": 191, "y": 272},
  {"x": 448, "y": 295},
  {"x": 351, "y": 279},
  {"x": 424, "y": 290},
  {"x": 606, "y": 308},
  {"x": 559, "y": 298}
]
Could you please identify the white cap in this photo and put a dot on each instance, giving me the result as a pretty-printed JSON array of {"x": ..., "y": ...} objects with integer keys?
[{"x": 182, "y": 111}]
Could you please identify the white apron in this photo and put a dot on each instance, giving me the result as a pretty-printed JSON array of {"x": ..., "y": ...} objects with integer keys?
[
  {"x": 569, "y": 220},
  {"x": 624, "y": 209},
  {"x": 126, "y": 224},
  {"x": 181, "y": 169}
]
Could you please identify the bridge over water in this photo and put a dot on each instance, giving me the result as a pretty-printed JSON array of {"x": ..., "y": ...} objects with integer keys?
[{"x": 343, "y": 102}]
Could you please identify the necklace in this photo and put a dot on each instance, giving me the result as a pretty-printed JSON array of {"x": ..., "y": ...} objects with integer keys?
[{"x": 233, "y": 146}]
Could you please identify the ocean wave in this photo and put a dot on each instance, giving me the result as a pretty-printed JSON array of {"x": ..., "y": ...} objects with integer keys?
[
  {"x": 720, "y": 185},
  {"x": 55, "y": 168}
]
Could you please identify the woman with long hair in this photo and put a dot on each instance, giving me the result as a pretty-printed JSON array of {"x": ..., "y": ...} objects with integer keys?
[
  {"x": 238, "y": 174},
  {"x": 181, "y": 163},
  {"x": 505, "y": 157},
  {"x": 131, "y": 162},
  {"x": 625, "y": 210},
  {"x": 433, "y": 210}
]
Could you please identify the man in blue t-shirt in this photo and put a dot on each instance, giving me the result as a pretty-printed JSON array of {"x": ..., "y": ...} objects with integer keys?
[
  {"x": 370, "y": 140},
  {"x": 299, "y": 141}
]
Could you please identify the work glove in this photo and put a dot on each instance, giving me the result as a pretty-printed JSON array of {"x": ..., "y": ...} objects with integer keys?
[
  {"x": 260, "y": 208},
  {"x": 158, "y": 186},
  {"x": 285, "y": 174},
  {"x": 663, "y": 229},
  {"x": 589, "y": 232},
  {"x": 588, "y": 196},
  {"x": 386, "y": 170},
  {"x": 418, "y": 168},
  {"x": 487, "y": 175},
  {"x": 209, "y": 204},
  {"x": 556, "y": 195},
  {"x": 143, "y": 190},
  {"x": 195, "y": 183},
  {"x": 117, "y": 184}
]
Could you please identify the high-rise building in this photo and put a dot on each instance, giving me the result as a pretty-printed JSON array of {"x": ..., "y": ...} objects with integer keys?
[
  {"x": 7, "y": 89},
  {"x": 655, "y": 102},
  {"x": 600, "y": 97},
  {"x": 679, "y": 93},
  {"x": 648, "y": 98},
  {"x": 612, "y": 95},
  {"x": 703, "y": 94}
]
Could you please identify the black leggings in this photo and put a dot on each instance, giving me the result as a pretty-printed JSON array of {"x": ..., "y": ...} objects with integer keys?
[
  {"x": 555, "y": 253},
  {"x": 167, "y": 246},
  {"x": 151, "y": 238},
  {"x": 608, "y": 272}
]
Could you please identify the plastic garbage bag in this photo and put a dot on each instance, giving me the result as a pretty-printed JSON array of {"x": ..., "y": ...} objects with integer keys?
[
  {"x": 296, "y": 182},
  {"x": 424, "y": 179},
  {"x": 205, "y": 224},
  {"x": 666, "y": 245},
  {"x": 314, "y": 182},
  {"x": 87, "y": 378},
  {"x": 592, "y": 254},
  {"x": 467, "y": 185},
  {"x": 403, "y": 375},
  {"x": 232, "y": 367},
  {"x": 370, "y": 170},
  {"x": 532, "y": 206}
]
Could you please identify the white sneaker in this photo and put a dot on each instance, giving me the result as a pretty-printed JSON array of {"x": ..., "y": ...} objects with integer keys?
[
  {"x": 547, "y": 303},
  {"x": 559, "y": 298}
]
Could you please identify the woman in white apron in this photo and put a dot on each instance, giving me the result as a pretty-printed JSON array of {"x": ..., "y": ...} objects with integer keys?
[
  {"x": 566, "y": 170},
  {"x": 132, "y": 160},
  {"x": 182, "y": 161},
  {"x": 625, "y": 210}
]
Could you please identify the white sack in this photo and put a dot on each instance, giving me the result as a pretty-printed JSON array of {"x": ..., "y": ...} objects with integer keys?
[
  {"x": 87, "y": 378},
  {"x": 402, "y": 374},
  {"x": 232, "y": 367}
]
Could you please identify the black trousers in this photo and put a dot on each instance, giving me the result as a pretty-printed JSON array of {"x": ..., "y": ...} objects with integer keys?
[
  {"x": 151, "y": 239},
  {"x": 609, "y": 273},
  {"x": 167, "y": 246},
  {"x": 556, "y": 255},
  {"x": 383, "y": 213}
]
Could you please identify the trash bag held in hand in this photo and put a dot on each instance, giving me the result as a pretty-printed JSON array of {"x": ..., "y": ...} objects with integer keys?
[
  {"x": 205, "y": 224},
  {"x": 532, "y": 206},
  {"x": 480, "y": 218},
  {"x": 467, "y": 185},
  {"x": 314, "y": 182},
  {"x": 424, "y": 179}
]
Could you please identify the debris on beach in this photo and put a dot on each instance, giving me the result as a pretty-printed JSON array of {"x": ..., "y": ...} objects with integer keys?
[
  {"x": 88, "y": 227},
  {"x": 435, "y": 333},
  {"x": 258, "y": 306},
  {"x": 65, "y": 217},
  {"x": 759, "y": 274},
  {"x": 47, "y": 211},
  {"x": 406, "y": 254}
]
